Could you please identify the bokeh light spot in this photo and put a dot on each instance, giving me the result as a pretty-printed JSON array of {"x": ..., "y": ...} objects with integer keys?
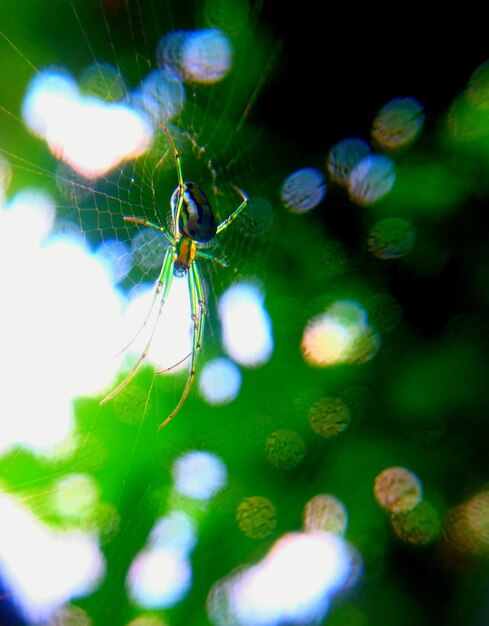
[
  {"x": 329, "y": 417},
  {"x": 467, "y": 122},
  {"x": 246, "y": 325},
  {"x": 104, "y": 81},
  {"x": 175, "y": 530},
  {"x": 292, "y": 584},
  {"x": 339, "y": 335},
  {"x": 202, "y": 56},
  {"x": 103, "y": 520},
  {"x": 344, "y": 156},
  {"x": 161, "y": 95},
  {"x": 371, "y": 179},
  {"x": 364, "y": 346},
  {"x": 159, "y": 577},
  {"x": 303, "y": 190},
  {"x": 285, "y": 448},
  {"x": 325, "y": 341},
  {"x": 199, "y": 475},
  {"x": 89, "y": 134},
  {"x": 74, "y": 495},
  {"x": 391, "y": 238},
  {"x": 46, "y": 95},
  {"x": 420, "y": 525},
  {"x": 326, "y": 513},
  {"x": 256, "y": 517},
  {"x": 478, "y": 87},
  {"x": 69, "y": 615},
  {"x": 398, "y": 124},
  {"x": 468, "y": 525},
  {"x": 27, "y": 546},
  {"x": 219, "y": 381},
  {"x": 397, "y": 489},
  {"x": 207, "y": 56}
]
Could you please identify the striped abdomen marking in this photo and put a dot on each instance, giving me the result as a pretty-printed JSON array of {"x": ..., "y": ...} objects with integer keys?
[
  {"x": 185, "y": 251},
  {"x": 197, "y": 221}
]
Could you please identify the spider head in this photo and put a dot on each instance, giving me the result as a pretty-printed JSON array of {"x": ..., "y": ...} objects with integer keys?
[{"x": 179, "y": 270}]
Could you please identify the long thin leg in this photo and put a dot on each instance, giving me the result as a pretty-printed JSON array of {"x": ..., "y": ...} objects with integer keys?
[
  {"x": 222, "y": 262},
  {"x": 181, "y": 185},
  {"x": 161, "y": 279},
  {"x": 224, "y": 224},
  {"x": 198, "y": 317},
  {"x": 141, "y": 221},
  {"x": 176, "y": 154},
  {"x": 164, "y": 284}
]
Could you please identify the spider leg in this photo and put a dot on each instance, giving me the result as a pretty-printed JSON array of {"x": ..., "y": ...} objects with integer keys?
[
  {"x": 172, "y": 367},
  {"x": 222, "y": 262},
  {"x": 178, "y": 164},
  {"x": 141, "y": 221},
  {"x": 224, "y": 224},
  {"x": 161, "y": 280},
  {"x": 198, "y": 316},
  {"x": 176, "y": 154},
  {"x": 164, "y": 284}
]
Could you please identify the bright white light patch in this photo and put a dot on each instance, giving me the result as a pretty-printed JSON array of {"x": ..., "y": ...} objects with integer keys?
[
  {"x": 58, "y": 324},
  {"x": 91, "y": 135},
  {"x": 115, "y": 257},
  {"x": 31, "y": 214},
  {"x": 176, "y": 530},
  {"x": 171, "y": 343},
  {"x": 219, "y": 381},
  {"x": 246, "y": 325},
  {"x": 74, "y": 495},
  {"x": 294, "y": 583},
  {"x": 48, "y": 94},
  {"x": 159, "y": 577},
  {"x": 42, "y": 569},
  {"x": 199, "y": 475}
]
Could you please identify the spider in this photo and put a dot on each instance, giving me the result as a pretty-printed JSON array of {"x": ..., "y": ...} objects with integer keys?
[{"x": 192, "y": 225}]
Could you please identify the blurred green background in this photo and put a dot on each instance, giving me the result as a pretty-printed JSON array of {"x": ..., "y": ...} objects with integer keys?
[{"x": 414, "y": 398}]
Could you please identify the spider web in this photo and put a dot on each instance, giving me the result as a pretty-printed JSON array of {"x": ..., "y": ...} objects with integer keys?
[
  {"x": 217, "y": 143},
  {"x": 211, "y": 132}
]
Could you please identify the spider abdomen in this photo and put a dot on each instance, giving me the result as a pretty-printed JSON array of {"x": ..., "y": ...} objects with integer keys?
[{"x": 196, "y": 220}]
